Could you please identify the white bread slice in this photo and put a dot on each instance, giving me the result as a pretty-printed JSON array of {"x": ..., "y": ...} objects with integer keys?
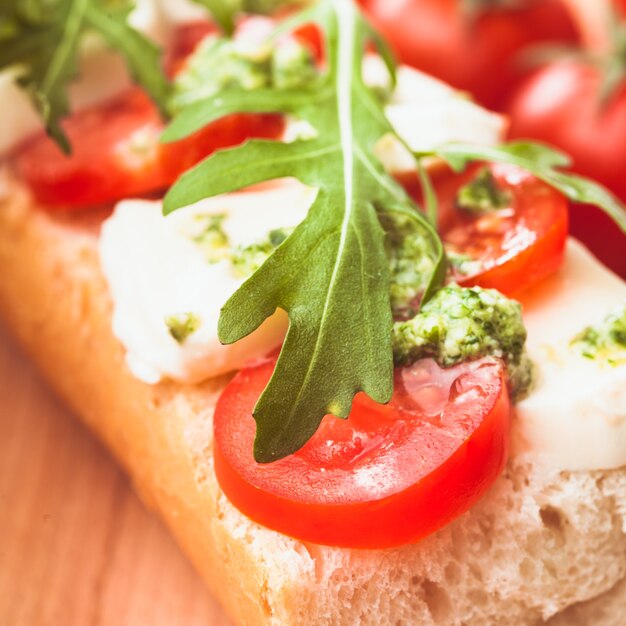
[{"x": 539, "y": 542}]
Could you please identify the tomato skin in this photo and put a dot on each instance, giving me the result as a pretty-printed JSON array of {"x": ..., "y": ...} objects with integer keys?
[
  {"x": 117, "y": 153},
  {"x": 353, "y": 496},
  {"x": 527, "y": 246},
  {"x": 116, "y": 149},
  {"x": 480, "y": 56},
  {"x": 560, "y": 105},
  {"x": 539, "y": 217}
]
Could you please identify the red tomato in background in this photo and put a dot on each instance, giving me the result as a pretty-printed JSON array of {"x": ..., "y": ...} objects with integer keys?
[
  {"x": 480, "y": 56},
  {"x": 117, "y": 153},
  {"x": 517, "y": 245},
  {"x": 387, "y": 475},
  {"x": 560, "y": 105},
  {"x": 184, "y": 41}
]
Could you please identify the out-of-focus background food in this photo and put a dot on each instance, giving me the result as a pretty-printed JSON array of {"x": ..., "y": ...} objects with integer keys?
[{"x": 556, "y": 67}]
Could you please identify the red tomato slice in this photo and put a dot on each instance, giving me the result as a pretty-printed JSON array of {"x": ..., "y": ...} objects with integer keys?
[
  {"x": 117, "y": 153},
  {"x": 116, "y": 148},
  {"x": 515, "y": 246},
  {"x": 388, "y": 475}
]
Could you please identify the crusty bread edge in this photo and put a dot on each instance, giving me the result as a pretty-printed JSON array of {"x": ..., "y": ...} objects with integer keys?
[{"x": 54, "y": 299}]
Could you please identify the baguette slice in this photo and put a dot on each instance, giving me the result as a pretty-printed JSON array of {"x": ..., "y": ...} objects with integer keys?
[{"x": 539, "y": 542}]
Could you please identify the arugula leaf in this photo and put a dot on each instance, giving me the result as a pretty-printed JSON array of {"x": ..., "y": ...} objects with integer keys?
[
  {"x": 225, "y": 11},
  {"x": 331, "y": 274},
  {"x": 43, "y": 40},
  {"x": 541, "y": 161}
]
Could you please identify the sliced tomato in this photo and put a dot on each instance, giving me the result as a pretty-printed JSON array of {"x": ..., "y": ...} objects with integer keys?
[
  {"x": 510, "y": 248},
  {"x": 116, "y": 149},
  {"x": 386, "y": 476},
  {"x": 117, "y": 153}
]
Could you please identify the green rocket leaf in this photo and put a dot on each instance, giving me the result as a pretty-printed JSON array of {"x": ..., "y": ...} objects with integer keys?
[
  {"x": 43, "y": 39},
  {"x": 331, "y": 274}
]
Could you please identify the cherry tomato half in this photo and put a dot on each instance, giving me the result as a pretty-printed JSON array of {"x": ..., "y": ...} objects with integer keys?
[
  {"x": 117, "y": 153},
  {"x": 508, "y": 249},
  {"x": 116, "y": 149},
  {"x": 386, "y": 476},
  {"x": 481, "y": 54}
]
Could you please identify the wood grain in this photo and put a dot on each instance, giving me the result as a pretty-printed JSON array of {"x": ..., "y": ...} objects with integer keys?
[{"x": 77, "y": 548}]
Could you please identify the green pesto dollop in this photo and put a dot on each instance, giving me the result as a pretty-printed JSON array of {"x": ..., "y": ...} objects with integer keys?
[
  {"x": 247, "y": 259},
  {"x": 182, "y": 325},
  {"x": 244, "y": 260},
  {"x": 409, "y": 254},
  {"x": 220, "y": 63},
  {"x": 459, "y": 324},
  {"x": 605, "y": 342},
  {"x": 463, "y": 264},
  {"x": 212, "y": 239},
  {"x": 483, "y": 194}
]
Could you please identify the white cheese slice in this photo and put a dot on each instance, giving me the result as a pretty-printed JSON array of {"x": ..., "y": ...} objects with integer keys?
[
  {"x": 155, "y": 270},
  {"x": 178, "y": 12},
  {"x": 575, "y": 417},
  {"x": 102, "y": 75},
  {"x": 426, "y": 113}
]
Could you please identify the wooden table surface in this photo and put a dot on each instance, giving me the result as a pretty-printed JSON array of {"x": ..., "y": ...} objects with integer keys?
[{"x": 77, "y": 548}]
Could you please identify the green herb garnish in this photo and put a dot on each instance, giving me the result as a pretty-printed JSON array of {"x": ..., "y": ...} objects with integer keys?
[
  {"x": 331, "y": 273},
  {"x": 212, "y": 238},
  {"x": 482, "y": 194},
  {"x": 182, "y": 325},
  {"x": 247, "y": 259},
  {"x": 44, "y": 42},
  {"x": 605, "y": 342}
]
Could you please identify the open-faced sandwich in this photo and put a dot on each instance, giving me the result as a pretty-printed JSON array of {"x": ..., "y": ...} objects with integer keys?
[{"x": 353, "y": 240}]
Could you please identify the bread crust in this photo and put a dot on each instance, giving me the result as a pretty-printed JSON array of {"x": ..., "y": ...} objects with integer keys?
[{"x": 55, "y": 300}]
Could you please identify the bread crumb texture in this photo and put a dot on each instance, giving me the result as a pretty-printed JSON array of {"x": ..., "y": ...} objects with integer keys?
[
  {"x": 541, "y": 541},
  {"x": 535, "y": 545}
]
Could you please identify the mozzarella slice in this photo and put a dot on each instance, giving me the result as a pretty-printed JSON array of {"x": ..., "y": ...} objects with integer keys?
[
  {"x": 575, "y": 417},
  {"x": 155, "y": 270},
  {"x": 426, "y": 113},
  {"x": 103, "y": 74}
]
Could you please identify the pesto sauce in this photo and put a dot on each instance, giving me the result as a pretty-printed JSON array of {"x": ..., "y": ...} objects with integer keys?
[
  {"x": 459, "y": 324},
  {"x": 245, "y": 260},
  {"x": 483, "y": 194},
  {"x": 410, "y": 265},
  {"x": 212, "y": 239},
  {"x": 220, "y": 63},
  {"x": 464, "y": 264},
  {"x": 605, "y": 342},
  {"x": 182, "y": 325}
]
